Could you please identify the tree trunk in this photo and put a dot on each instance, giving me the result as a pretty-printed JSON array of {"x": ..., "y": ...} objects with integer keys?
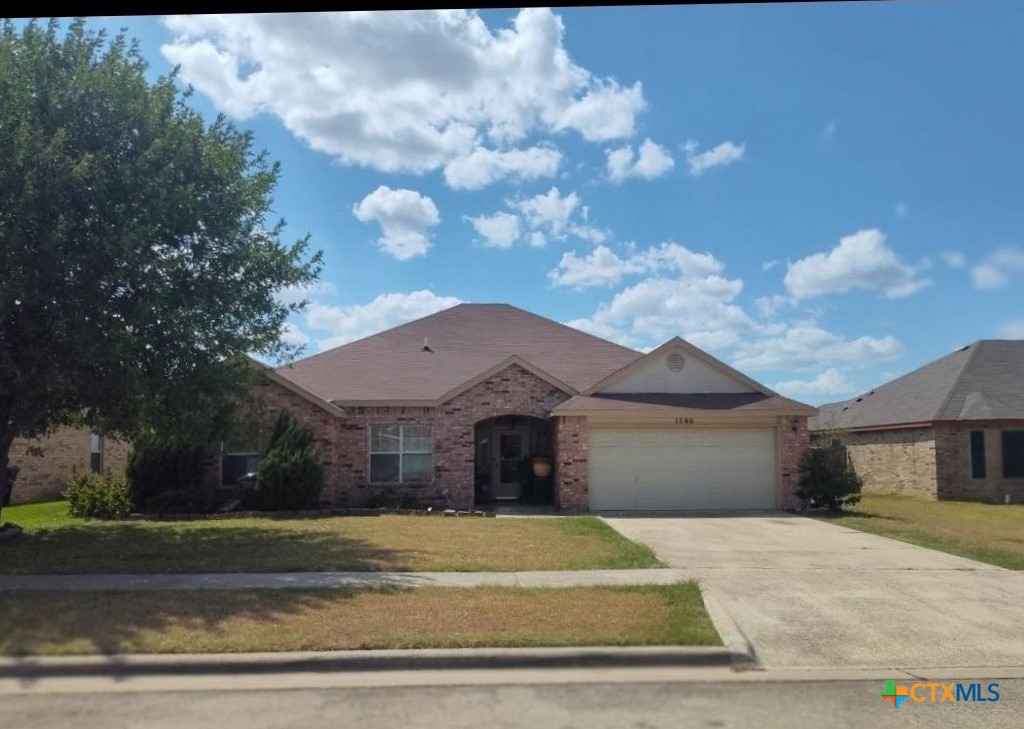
[{"x": 5, "y": 452}]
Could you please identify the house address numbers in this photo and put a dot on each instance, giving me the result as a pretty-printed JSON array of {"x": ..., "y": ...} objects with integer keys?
[{"x": 684, "y": 421}]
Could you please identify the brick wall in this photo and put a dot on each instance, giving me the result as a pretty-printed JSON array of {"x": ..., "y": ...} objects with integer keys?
[
  {"x": 952, "y": 445},
  {"x": 513, "y": 391},
  {"x": 44, "y": 477},
  {"x": 794, "y": 440},
  {"x": 571, "y": 439},
  {"x": 895, "y": 461}
]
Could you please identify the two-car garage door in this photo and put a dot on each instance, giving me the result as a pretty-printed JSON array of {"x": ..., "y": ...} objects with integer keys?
[{"x": 680, "y": 469}]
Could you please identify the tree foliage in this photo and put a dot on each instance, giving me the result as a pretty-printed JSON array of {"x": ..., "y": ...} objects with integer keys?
[
  {"x": 290, "y": 472},
  {"x": 138, "y": 266}
]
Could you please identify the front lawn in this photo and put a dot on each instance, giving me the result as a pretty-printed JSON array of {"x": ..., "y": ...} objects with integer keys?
[
  {"x": 986, "y": 532},
  {"x": 55, "y": 543},
  {"x": 63, "y": 623}
]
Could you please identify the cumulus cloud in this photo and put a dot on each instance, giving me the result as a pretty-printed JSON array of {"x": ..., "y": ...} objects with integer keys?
[
  {"x": 1012, "y": 329},
  {"x": 953, "y": 259},
  {"x": 406, "y": 91},
  {"x": 831, "y": 382},
  {"x": 995, "y": 270},
  {"x": 860, "y": 261},
  {"x": 550, "y": 211},
  {"x": 808, "y": 345},
  {"x": 603, "y": 267},
  {"x": 650, "y": 161},
  {"x": 481, "y": 167},
  {"x": 724, "y": 154},
  {"x": 404, "y": 217},
  {"x": 345, "y": 324},
  {"x": 294, "y": 294},
  {"x": 293, "y": 336},
  {"x": 500, "y": 230}
]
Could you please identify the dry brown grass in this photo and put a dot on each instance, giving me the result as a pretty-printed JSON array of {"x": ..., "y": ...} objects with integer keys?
[
  {"x": 62, "y": 623},
  {"x": 55, "y": 543}
]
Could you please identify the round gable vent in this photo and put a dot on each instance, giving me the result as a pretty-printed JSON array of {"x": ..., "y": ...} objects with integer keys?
[{"x": 675, "y": 362}]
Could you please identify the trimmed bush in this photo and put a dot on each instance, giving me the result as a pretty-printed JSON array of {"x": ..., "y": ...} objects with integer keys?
[
  {"x": 827, "y": 478},
  {"x": 166, "y": 477},
  {"x": 98, "y": 496},
  {"x": 291, "y": 476}
]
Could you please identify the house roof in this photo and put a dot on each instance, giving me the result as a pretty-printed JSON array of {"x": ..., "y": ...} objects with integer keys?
[
  {"x": 742, "y": 402},
  {"x": 465, "y": 341},
  {"x": 983, "y": 381}
]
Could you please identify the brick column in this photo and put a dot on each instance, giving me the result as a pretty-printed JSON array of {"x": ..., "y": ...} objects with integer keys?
[{"x": 571, "y": 443}]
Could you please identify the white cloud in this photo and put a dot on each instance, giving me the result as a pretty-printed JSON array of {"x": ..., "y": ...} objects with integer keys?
[
  {"x": 995, "y": 270},
  {"x": 1012, "y": 329},
  {"x": 500, "y": 230},
  {"x": 769, "y": 265},
  {"x": 724, "y": 154},
  {"x": 769, "y": 306},
  {"x": 537, "y": 239},
  {"x": 405, "y": 91},
  {"x": 293, "y": 336},
  {"x": 481, "y": 167},
  {"x": 902, "y": 210},
  {"x": 295, "y": 294},
  {"x": 603, "y": 267},
  {"x": 652, "y": 160},
  {"x": 404, "y": 217},
  {"x": 829, "y": 382},
  {"x": 807, "y": 345},
  {"x": 550, "y": 210},
  {"x": 349, "y": 323},
  {"x": 860, "y": 261},
  {"x": 953, "y": 259}
]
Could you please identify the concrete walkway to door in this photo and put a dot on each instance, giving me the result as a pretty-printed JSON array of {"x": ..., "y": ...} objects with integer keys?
[{"x": 806, "y": 593}]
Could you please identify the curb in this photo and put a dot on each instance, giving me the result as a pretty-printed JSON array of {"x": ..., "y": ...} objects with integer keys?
[
  {"x": 744, "y": 656},
  {"x": 122, "y": 665}
]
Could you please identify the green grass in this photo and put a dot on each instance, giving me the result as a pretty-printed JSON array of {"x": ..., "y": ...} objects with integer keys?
[
  {"x": 985, "y": 532},
  {"x": 55, "y": 543},
  {"x": 63, "y": 623}
]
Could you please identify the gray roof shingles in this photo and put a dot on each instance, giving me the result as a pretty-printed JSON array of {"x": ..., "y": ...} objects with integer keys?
[{"x": 983, "y": 381}]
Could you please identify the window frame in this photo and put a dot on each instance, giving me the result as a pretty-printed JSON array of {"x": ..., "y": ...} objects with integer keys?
[
  {"x": 1003, "y": 434},
  {"x": 95, "y": 452},
  {"x": 225, "y": 453},
  {"x": 970, "y": 455},
  {"x": 401, "y": 452}
]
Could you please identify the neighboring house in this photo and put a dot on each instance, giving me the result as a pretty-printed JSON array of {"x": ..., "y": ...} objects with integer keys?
[
  {"x": 953, "y": 429},
  {"x": 458, "y": 403},
  {"x": 45, "y": 464}
]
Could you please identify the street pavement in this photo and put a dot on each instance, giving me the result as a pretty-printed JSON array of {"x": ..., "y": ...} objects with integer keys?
[{"x": 807, "y": 593}]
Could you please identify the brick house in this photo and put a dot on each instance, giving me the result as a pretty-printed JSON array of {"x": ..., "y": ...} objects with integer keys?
[
  {"x": 45, "y": 464},
  {"x": 466, "y": 404},
  {"x": 953, "y": 429}
]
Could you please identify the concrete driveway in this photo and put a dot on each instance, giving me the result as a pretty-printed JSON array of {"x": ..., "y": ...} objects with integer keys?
[{"x": 807, "y": 593}]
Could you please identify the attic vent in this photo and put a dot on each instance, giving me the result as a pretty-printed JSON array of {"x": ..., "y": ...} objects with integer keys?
[{"x": 675, "y": 362}]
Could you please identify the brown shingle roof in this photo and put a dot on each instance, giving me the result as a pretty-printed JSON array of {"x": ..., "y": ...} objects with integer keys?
[
  {"x": 747, "y": 402},
  {"x": 465, "y": 341},
  {"x": 983, "y": 381}
]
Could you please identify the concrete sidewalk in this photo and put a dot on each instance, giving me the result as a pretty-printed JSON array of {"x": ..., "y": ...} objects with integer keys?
[{"x": 314, "y": 580}]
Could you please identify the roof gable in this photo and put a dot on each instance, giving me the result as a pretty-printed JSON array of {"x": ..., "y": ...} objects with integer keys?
[{"x": 677, "y": 367}]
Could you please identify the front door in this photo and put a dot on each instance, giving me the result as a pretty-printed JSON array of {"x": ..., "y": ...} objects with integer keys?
[{"x": 508, "y": 458}]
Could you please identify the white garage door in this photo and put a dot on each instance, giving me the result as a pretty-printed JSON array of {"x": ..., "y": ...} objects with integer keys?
[{"x": 669, "y": 469}]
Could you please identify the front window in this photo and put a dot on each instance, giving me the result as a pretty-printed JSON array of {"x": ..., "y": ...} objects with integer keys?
[
  {"x": 240, "y": 453},
  {"x": 95, "y": 452},
  {"x": 977, "y": 454},
  {"x": 401, "y": 453},
  {"x": 1013, "y": 454}
]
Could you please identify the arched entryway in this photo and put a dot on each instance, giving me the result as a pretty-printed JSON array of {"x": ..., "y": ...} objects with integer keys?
[{"x": 509, "y": 457}]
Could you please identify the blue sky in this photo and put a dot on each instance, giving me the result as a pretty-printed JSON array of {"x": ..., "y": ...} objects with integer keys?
[{"x": 824, "y": 196}]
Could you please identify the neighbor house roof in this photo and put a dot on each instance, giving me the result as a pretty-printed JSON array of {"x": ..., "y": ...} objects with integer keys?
[
  {"x": 983, "y": 381},
  {"x": 465, "y": 342},
  {"x": 741, "y": 402}
]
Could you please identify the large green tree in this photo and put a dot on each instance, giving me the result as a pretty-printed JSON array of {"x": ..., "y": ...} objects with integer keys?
[{"x": 138, "y": 267}]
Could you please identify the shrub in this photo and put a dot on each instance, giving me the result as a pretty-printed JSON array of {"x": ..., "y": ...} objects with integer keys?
[
  {"x": 98, "y": 496},
  {"x": 389, "y": 498},
  {"x": 290, "y": 473},
  {"x": 12, "y": 474},
  {"x": 166, "y": 476},
  {"x": 827, "y": 478}
]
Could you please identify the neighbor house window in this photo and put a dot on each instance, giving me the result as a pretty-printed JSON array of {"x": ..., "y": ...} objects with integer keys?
[
  {"x": 401, "y": 453},
  {"x": 96, "y": 452},
  {"x": 240, "y": 454},
  {"x": 977, "y": 454},
  {"x": 1013, "y": 454}
]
